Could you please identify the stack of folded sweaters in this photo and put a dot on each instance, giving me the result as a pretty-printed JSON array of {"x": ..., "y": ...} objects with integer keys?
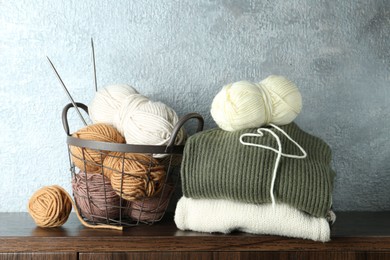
[{"x": 232, "y": 181}]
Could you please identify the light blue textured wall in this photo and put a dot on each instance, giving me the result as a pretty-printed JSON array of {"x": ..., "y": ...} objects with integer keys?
[{"x": 182, "y": 53}]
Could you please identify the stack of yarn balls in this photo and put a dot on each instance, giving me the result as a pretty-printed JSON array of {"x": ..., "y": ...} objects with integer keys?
[
  {"x": 110, "y": 180},
  {"x": 244, "y": 104},
  {"x": 109, "y": 183}
]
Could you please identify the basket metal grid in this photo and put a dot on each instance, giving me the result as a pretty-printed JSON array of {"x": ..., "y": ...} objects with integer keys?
[{"x": 146, "y": 208}]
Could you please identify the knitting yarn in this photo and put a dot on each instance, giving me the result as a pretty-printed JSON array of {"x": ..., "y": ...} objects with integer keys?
[
  {"x": 134, "y": 176},
  {"x": 286, "y": 99},
  {"x": 105, "y": 105},
  {"x": 244, "y": 104},
  {"x": 95, "y": 198},
  {"x": 146, "y": 122},
  {"x": 139, "y": 119},
  {"x": 89, "y": 160},
  {"x": 151, "y": 209},
  {"x": 239, "y": 105},
  {"x": 50, "y": 206}
]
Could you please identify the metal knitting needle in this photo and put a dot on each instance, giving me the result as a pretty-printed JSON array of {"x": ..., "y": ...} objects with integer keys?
[
  {"x": 67, "y": 92},
  {"x": 94, "y": 64}
]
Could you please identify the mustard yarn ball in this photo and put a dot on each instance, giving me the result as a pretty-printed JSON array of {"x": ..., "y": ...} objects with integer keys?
[
  {"x": 90, "y": 160},
  {"x": 107, "y": 101},
  {"x": 244, "y": 104},
  {"x": 50, "y": 206},
  {"x": 134, "y": 176}
]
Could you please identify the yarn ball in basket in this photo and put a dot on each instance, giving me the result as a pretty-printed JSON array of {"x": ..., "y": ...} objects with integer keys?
[
  {"x": 133, "y": 175},
  {"x": 146, "y": 122},
  {"x": 95, "y": 198},
  {"x": 245, "y": 104},
  {"x": 90, "y": 160},
  {"x": 151, "y": 209},
  {"x": 105, "y": 105},
  {"x": 50, "y": 206}
]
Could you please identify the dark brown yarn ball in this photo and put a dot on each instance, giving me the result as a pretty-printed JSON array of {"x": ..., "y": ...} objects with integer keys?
[
  {"x": 151, "y": 209},
  {"x": 95, "y": 198}
]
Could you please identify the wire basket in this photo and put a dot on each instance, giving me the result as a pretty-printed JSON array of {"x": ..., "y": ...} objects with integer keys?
[{"x": 138, "y": 190}]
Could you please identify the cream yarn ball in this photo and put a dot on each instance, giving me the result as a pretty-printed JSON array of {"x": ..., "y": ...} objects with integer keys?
[
  {"x": 138, "y": 119},
  {"x": 107, "y": 101},
  {"x": 244, "y": 104},
  {"x": 286, "y": 99},
  {"x": 143, "y": 121},
  {"x": 239, "y": 105}
]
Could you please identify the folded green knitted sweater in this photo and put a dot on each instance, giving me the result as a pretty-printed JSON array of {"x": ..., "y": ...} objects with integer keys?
[{"x": 217, "y": 166}]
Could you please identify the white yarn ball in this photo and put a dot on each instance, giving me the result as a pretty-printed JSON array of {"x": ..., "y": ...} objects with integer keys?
[
  {"x": 286, "y": 99},
  {"x": 107, "y": 102},
  {"x": 239, "y": 105},
  {"x": 143, "y": 121},
  {"x": 247, "y": 105}
]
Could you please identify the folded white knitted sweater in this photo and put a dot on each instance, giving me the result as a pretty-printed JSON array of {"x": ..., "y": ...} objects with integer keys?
[{"x": 216, "y": 215}]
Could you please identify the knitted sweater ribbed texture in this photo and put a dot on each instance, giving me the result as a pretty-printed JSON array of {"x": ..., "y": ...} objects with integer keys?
[
  {"x": 217, "y": 166},
  {"x": 225, "y": 216}
]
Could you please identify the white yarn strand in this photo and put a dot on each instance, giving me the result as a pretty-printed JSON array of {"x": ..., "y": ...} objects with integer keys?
[{"x": 278, "y": 151}]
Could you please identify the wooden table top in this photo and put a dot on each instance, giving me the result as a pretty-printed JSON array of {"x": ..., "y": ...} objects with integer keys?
[{"x": 352, "y": 230}]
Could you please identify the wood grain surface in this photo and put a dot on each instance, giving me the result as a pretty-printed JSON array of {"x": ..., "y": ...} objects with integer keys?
[{"x": 353, "y": 231}]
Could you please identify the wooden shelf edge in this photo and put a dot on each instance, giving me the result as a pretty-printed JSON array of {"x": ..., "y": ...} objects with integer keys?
[
  {"x": 353, "y": 231},
  {"x": 242, "y": 243}
]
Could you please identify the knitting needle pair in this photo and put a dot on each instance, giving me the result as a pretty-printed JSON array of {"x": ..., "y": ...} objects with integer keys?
[{"x": 66, "y": 89}]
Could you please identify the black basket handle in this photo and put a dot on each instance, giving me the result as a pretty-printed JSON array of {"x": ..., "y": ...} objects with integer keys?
[
  {"x": 65, "y": 115},
  {"x": 179, "y": 125}
]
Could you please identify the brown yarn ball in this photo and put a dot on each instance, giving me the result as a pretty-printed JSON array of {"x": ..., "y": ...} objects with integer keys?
[
  {"x": 151, "y": 209},
  {"x": 50, "y": 206},
  {"x": 89, "y": 160},
  {"x": 95, "y": 198},
  {"x": 133, "y": 175}
]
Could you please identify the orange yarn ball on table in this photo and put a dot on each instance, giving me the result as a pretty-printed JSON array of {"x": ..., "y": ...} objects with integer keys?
[
  {"x": 50, "y": 206},
  {"x": 134, "y": 176},
  {"x": 89, "y": 160}
]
